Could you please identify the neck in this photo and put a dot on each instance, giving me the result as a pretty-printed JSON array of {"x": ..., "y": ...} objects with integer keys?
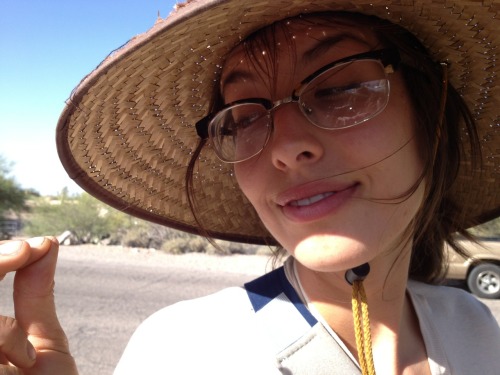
[{"x": 392, "y": 318}]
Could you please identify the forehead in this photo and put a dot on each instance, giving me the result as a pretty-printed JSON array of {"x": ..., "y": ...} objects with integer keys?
[{"x": 298, "y": 42}]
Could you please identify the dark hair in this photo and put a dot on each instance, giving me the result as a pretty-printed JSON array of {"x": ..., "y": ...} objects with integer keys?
[{"x": 439, "y": 218}]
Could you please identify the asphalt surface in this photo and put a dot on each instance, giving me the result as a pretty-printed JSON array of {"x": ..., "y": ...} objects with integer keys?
[{"x": 103, "y": 295}]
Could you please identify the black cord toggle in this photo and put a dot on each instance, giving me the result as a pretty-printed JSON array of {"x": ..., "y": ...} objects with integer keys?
[{"x": 358, "y": 273}]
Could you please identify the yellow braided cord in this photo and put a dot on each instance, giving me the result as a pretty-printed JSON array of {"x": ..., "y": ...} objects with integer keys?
[
  {"x": 362, "y": 328},
  {"x": 366, "y": 331},
  {"x": 358, "y": 328}
]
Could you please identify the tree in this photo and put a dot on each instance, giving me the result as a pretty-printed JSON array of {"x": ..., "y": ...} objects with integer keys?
[
  {"x": 12, "y": 201},
  {"x": 88, "y": 219},
  {"x": 12, "y": 196}
]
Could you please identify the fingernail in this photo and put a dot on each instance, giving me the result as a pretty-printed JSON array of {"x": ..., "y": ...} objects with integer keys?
[
  {"x": 10, "y": 248},
  {"x": 31, "y": 352},
  {"x": 36, "y": 241}
]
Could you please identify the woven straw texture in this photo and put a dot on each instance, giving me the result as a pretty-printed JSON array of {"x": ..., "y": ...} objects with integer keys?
[{"x": 127, "y": 132}]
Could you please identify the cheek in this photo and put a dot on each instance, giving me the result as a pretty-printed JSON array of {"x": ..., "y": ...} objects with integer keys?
[
  {"x": 253, "y": 179},
  {"x": 394, "y": 132},
  {"x": 379, "y": 143},
  {"x": 247, "y": 175}
]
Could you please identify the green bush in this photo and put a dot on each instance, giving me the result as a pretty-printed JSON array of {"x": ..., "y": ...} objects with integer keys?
[{"x": 88, "y": 220}]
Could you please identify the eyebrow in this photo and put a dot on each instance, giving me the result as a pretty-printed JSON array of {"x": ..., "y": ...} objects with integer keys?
[
  {"x": 308, "y": 56},
  {"x": 326, "y": 44},
  {"x": 234, "y": 76}
]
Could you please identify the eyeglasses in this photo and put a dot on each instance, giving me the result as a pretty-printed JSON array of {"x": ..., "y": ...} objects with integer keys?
[{"x": 342, "y": 94}]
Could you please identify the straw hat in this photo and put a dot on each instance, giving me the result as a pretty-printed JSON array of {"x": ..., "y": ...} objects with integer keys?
[{"x": 127, "y": 132}]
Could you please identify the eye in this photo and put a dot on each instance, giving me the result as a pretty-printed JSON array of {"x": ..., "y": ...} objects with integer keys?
[
  {"x": 244, "y": 116},
  {"x": 336, "y": 92},
  {"x": 246, "y": 120}
]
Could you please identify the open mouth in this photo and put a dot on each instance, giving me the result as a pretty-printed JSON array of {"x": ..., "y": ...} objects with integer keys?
[
  {"x": 310, "y": 200},
  {"x": 301, "y": 205}
]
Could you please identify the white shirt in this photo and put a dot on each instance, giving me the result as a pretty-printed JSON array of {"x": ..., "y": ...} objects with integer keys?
[{"x": 218, "y": 334}]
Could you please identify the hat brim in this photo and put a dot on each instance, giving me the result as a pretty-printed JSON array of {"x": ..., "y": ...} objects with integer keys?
[{"x": 127, "y": 133}]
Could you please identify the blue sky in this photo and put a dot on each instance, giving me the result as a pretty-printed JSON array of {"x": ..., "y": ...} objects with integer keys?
[{"x": 47, "y": 47}]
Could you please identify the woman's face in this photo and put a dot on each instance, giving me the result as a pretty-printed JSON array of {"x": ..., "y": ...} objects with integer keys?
[{"x": 333, "y": 198}]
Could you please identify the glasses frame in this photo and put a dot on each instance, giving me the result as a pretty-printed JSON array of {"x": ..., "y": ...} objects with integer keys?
[{"x": 388, "y": 57}]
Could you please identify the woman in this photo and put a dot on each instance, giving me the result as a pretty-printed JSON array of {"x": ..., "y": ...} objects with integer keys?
[{"x": 334, "y": 135}]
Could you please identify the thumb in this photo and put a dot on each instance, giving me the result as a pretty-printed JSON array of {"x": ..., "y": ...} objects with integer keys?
[{"x": 34, "y": 301}]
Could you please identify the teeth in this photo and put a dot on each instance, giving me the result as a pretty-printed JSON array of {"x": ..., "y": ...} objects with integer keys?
[{"x": 311, "y": 200}]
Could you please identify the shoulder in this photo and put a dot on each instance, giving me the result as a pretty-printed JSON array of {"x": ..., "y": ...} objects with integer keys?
[
  {"x": 214, "y": 306},
  {"x": 459, "y": 331},
  {"x": 204, "y": 316},
  {"x": 452, "y": 305},
  {"x": 448, "y": 301},
  {"x": 207, "y": 335},
  {"x": 434, "y": 295}
]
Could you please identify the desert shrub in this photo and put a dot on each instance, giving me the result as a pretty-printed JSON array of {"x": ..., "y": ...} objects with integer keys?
[
  {"x": 144, "y": 234},
  {"x": 240, "y": 248},
  {"x": 196, "y": 244},
  {"x": 179, "y": 245}
]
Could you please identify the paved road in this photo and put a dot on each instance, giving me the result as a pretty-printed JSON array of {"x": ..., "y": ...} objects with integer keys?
[{"x": 103, "y": 296}]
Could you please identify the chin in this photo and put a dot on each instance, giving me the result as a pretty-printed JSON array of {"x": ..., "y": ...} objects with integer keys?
[{"x": 331, "y": 253}]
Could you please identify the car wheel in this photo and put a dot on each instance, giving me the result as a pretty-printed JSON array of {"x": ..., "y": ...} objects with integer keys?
[{"x": 484, "y": 281}]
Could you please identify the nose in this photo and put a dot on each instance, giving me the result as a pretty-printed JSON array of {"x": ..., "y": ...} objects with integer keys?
[{"x": 294, "y": 142}]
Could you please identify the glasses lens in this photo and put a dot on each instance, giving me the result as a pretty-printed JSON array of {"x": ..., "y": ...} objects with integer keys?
[
  {"x": 346, "y": 95},
  {"x": 240, "y": 131}
]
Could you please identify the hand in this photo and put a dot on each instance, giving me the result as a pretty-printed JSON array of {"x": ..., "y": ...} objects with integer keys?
[{"x": 33, "y": 343}]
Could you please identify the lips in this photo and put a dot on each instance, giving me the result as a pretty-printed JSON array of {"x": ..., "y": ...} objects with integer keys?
[{"x": 314, "y": 201}]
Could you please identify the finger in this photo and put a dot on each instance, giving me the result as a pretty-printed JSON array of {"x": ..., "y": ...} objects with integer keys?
[
  {"x": 34, "y": 301},
  {"x": 36, "y": 314},
  {"x": 14, "y": 344},
  {"x": 17, "y": 254},
  {"x": 13, "y": 255},
  {"x": 52, "y": 363},
  {"x": 10, "y": 370}
]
